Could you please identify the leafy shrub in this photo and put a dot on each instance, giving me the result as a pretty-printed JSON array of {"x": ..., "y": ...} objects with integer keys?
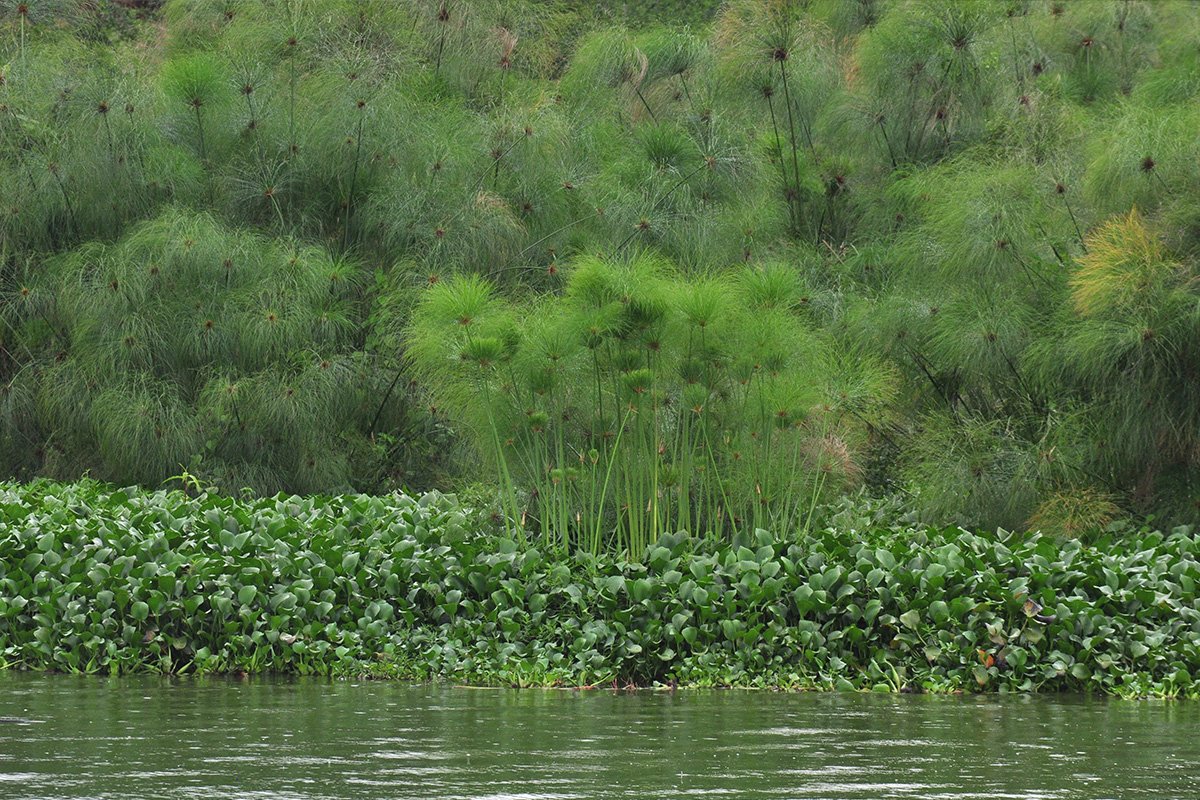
[{"x": 100, "y": 580}]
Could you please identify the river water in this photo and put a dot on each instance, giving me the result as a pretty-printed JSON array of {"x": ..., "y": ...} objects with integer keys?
[{"x": 216, "y": 738}]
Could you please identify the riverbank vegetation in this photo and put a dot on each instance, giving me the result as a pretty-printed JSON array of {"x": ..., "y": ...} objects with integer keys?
[
  {"x": 94, "y": 579},
  {"x": 632, "y": 276},
  {"x": 741, "y": 331}
]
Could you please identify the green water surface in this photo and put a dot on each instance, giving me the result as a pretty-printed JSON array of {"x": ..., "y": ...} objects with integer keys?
[{"x": 213, "y": 738}]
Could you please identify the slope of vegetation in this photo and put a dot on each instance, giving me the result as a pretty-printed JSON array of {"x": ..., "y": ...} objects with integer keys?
[
  {"x": 648, "y": 277},
  {"x": 96, "y": 580}
]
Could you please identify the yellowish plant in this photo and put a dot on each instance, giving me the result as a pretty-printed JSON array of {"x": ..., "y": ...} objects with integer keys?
[
  {"x": 1074, "y": 512},
  {"x": 1124, "y": 263}
]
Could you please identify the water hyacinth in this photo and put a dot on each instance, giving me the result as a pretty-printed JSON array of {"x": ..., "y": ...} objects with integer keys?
[{"x": 98, "y": 580}]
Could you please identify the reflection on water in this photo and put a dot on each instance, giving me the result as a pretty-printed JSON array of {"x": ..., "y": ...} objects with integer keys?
[{"x": 197, "y": 739}]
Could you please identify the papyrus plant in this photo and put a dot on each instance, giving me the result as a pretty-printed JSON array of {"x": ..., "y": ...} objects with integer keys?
[{"x": 635, "y": 403}]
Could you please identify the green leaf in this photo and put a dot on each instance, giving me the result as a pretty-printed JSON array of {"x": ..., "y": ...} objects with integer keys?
[
  {"x": 981, "y": 674},
  {"x": 640, "y": 589},
  {"x": 885, "y": 559}
]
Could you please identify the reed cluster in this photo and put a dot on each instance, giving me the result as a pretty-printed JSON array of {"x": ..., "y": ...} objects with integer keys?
[{"x": 638, "y": 403}]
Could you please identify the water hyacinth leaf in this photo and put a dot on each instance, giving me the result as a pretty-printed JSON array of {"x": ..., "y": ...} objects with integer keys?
[
  {"x": 283, "y": 601},
  {"x": 803, "y": 597},
  {"x": 640, "y": 589}
]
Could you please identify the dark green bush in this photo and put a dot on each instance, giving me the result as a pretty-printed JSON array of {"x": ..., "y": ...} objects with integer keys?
[{"x": 101, "y": 580}]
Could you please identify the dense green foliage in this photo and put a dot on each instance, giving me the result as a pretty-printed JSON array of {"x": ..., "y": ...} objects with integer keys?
[
  {"x": 675, "y": 405},
  {"x": 981, "y": 216},
  {"x": 93, "y": 579}
]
